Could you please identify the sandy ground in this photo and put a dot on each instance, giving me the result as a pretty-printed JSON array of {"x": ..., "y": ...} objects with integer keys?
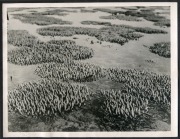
[{"x": 131, "y": 55}]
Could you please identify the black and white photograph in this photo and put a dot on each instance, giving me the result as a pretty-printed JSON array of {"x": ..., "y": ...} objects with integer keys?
[{"x": 90, "y": 69}]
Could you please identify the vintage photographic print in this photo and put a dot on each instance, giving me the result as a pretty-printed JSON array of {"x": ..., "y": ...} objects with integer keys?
[{"x": 90, "y": 69}]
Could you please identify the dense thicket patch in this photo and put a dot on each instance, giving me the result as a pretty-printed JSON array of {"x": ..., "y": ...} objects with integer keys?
[
  {"x": 33, "y": 51},
  {"x": 124, "y": 105},
  {"x": 110, "y": 34},
  {"x": 130, "y": 108},
  {"x": 108, "y": 10},
  {"x": 47, "y": 97},
  {"x": 39, "y": 19},
  {"x": 87, "y": 11},
  {"x": 162, "y": 49},
  {"x": 43, "y": 53},
  {"x": 150, "y": 16},
  {"x": 122, "y": 111},
  {"x": 134, "y": 15},
  {"x": 72, "y": 70},
  {"x": 21, "y": 38},
  {"x": 16, "y": 9},
  {"x": 70, "y": 48},
  {"x": 129, "y": 8},
  {"x": 163, "y": 22},
  {"x": 151, "y": 86},
  {"x": 59, "y": 12},
  {"x": 114, "y": 33},
  {"x": 28, "y": 56},
  {"x": 148, "y": 30},
  {"x": 96, "y": 23},
  {"x": 53, "y": 12},
  {"x": 121, "y": 17}
]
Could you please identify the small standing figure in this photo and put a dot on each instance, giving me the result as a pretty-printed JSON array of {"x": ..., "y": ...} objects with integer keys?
[
  {"x": 7, "y": 17},
  {"x": 11, "y": 78}
]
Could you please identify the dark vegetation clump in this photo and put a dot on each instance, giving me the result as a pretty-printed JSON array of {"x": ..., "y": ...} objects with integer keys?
[
  {"x": 73, "y": 70},
  {"x": 47, "y": 97},
  {"x": 109, "y": 34},
  {"x": 149, "y": 85},
  {"x": 130, "y": 107},
  {"x": 150, "y": 16},
  {"x": 108, "y": 10},
  {"x": 134, "y": 15},
  {"x": 29, "y": 56},
  {"x": 59, "y": 12},
  {"x": 39, "y": 19},
  {"x": 121, "y": 17},
  {"x": 96, "y": 23},
  {"x": 123, "y": 111},
  {"x": 87, "y": 11},
  {"x": 115, "y": 33},
  {"x": 162, "y": 49},
  {"x": 129, "y": 8},
  {"x": 148, "y": 30},
  {"x": 139, "y": 7},
  {"x": 16, "y": 9},
  {"x": 49, "y": 13},
  {"x": 163, "y": 22},
  {"x": 34, "y": 51},
  {"x": 21, "y": 38}
]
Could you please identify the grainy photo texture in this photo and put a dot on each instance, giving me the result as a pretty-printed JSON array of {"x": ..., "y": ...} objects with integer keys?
[{"x": 89, "y": 69}]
